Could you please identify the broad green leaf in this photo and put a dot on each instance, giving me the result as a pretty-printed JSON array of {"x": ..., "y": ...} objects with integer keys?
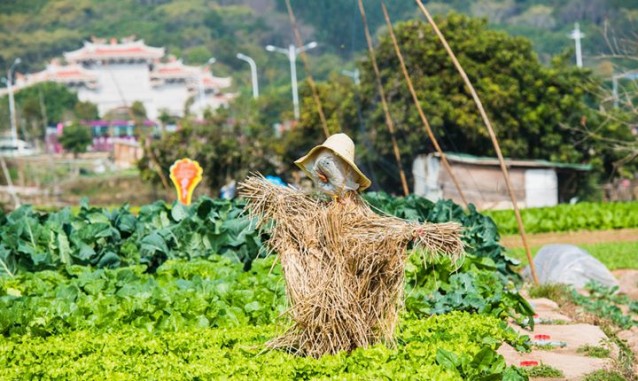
[
  {"x": 64, "y": 248},
  {"x": 179, "y": 212},
  {"x": 447, "y": 359}
]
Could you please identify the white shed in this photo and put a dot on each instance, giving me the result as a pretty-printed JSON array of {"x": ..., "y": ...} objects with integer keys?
[{"x": 536, "y": 183}]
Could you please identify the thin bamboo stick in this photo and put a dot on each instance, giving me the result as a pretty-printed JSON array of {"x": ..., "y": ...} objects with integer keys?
[
  {"x": 388, "y": 118},
  {"x": 424, "y": 119},
  {"x": 311, "y": 81},
  {"x": 486, "y": 120}
]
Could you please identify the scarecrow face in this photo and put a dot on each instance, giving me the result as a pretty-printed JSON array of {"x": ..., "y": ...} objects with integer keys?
[
  {"x": 332, "y": 175},
  {"x": 331, "y": 167}
]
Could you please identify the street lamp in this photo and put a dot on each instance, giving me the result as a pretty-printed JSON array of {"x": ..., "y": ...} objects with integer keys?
[
  {"x": 12, "y": 106},
  {"x": 253, "y": 73},
  {"x": 292, "y": 53},
  {"x": 202, "y": 91}
]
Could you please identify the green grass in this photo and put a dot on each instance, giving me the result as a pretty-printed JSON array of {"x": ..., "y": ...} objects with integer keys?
[
  {"x": 541, "y": 371},
  {"x": 560, "y": 293},
  {"x": 614, "y": 255},
  {"x": 604, "y": 375},
  {"x": 594, "y": 351}
]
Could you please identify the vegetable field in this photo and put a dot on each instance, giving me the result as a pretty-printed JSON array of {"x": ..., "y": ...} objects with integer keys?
[
  {"x": 175, "y": 292},
  {"x": 565, "y": 217}
]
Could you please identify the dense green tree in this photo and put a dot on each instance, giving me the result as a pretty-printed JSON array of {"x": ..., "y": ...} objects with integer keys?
[
  {"x": 535, "y": 109},
  {"x": 47, "y": 104},
  {"x": 54, "y": 99},
  {"x": 138, "y": 112},
  {"x": 75, "y": 138},
  {"x": 85, "y": 111},
  {"x": 225, "y": 147}
]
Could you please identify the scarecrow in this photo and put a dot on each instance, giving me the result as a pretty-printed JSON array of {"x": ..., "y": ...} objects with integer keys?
[{"x": 343, "y": 263}]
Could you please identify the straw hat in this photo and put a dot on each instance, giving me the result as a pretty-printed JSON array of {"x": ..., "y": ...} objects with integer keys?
[{"x": 342, "y": 146}]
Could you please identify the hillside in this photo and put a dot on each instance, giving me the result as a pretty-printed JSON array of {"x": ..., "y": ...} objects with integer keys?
[{"x": 37, "y": 30}]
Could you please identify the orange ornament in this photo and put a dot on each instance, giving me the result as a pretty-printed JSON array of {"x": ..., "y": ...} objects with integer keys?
[{"x": 186, "y": 175}]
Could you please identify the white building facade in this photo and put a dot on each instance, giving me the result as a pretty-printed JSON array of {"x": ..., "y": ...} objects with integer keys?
[{"x": 115, "y": 74}]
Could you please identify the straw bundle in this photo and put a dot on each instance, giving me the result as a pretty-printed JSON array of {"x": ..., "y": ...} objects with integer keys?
[{"x": 343, "y": 265}]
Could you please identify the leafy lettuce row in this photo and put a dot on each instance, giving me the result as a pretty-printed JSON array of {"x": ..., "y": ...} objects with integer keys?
[
  {"x": 456, "y": 346},
  {"x": 564, "y": 217}
]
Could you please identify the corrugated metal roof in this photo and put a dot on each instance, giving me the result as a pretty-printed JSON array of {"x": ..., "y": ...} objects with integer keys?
[{"x": 480, "y": 160}]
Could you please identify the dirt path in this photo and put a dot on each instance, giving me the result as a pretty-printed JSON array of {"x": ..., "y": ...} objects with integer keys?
[{"x": 574, "y": 238}]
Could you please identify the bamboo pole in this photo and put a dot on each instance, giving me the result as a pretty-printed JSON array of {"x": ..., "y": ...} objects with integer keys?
[
  {"x": 311, "y": 81},
  {"x": 424, "y": 119},
  {"x": 388, "y": 118},
  {"x": 486, "y": 120}
]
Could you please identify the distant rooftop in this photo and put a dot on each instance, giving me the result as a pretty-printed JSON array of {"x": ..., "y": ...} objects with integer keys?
[{"x": 114, "y": 49}]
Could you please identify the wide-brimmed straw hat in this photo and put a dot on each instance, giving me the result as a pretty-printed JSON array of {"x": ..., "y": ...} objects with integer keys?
[{"x": 343, "y": 147}]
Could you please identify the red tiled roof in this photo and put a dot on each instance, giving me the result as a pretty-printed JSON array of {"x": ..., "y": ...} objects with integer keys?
[
  {"x": 172, "y": 70},
  {"x": 119, "y": 50},
  {"x": 135, "y": 49}
]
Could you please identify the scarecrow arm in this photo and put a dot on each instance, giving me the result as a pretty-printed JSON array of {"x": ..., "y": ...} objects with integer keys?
[
  {"x": 442, "y": 238},
  {"x": 266, "y": 200}
]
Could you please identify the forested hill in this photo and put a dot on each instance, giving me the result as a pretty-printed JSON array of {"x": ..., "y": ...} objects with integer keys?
[
  {"x": 37, "y": 30},
  {"x": 546, "y": 22}
]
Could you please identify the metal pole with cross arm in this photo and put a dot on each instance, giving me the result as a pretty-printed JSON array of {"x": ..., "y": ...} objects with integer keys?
[{"x": 292, "y": 53}]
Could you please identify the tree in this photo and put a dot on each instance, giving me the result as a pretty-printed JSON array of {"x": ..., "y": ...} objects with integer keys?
[
  {"x": 57, "y": 98},
  {"x": 532, "y": 107},
  {"x": 75, "y": 138},
  {"x": 225, "y": 148},
  {"x": 85, "y": 111},
  {"x": 138, "y": 112},
  {"x": 46, "y": 102}
]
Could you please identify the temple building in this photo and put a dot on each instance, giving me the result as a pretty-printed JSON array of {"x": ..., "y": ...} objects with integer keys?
[{"x": 115, "y": 74}]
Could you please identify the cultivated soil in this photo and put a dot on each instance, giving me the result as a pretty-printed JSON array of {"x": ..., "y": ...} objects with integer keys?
[
  {"x": 574, "y": 238},
  {"x": 575, "y": 330}
]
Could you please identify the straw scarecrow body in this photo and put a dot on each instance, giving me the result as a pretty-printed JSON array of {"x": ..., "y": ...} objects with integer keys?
[{"x": 342, "y": 262}]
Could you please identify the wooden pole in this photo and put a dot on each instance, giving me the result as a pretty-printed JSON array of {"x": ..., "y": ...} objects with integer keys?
[
  {"x": 497, "y": 147},
  {"x": 388, "y": 118},
  {"x": 311, "y": 81},
  {"x": 424, "y": 119}
]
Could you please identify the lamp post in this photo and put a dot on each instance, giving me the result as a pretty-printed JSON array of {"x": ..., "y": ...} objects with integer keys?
[
  {"x": 12, "y": 106},
  {"x": 292, "y": 53},
  {"x": 202, "y": 91},
  {"x": 253, "y": 73}
]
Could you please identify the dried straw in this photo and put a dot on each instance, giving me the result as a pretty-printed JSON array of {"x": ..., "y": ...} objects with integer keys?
[{"x": 343, "y": 265}]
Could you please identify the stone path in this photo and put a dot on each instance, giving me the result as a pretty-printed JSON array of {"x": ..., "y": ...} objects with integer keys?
[{"x": 573, "y": 364}]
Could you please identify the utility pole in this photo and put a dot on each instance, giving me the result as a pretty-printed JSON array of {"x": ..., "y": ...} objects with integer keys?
[
  {"x": 292, "y": 53},
  {"x": 202, "y": 91},
  {"x": 576, "y": 35}
]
